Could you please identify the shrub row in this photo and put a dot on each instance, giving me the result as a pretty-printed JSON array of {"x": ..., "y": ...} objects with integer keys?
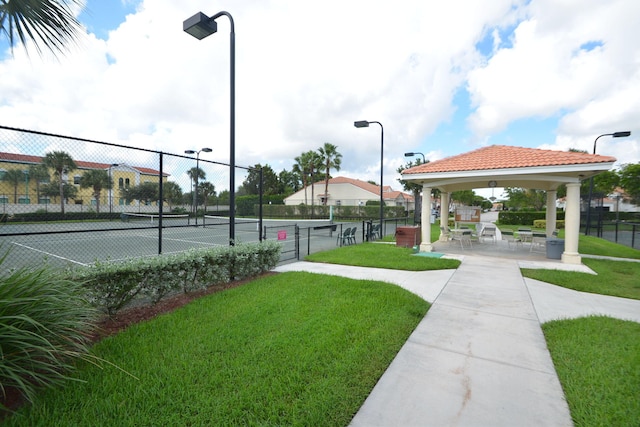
[
  {"x": 542, "y": 223},
  {"x": 111, "y": 286},
  {"x": 523, "y": 217}
]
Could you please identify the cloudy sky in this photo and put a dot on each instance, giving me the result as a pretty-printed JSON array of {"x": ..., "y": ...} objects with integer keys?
[{"x": 443, "y": 77}]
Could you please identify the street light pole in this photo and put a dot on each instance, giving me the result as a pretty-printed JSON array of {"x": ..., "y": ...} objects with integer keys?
[
  {"x": 201, "y": 26},
  {"x": 622, "y": 134},
  {"x": 424, "y": 160},
  {"x": 365, "y": 124},
  {"x": 197, "y": 177}
]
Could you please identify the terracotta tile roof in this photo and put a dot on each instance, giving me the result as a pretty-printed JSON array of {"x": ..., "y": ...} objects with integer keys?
[
  {"x": 25, "y": 158},
  {"x": 507, "y": 157}
]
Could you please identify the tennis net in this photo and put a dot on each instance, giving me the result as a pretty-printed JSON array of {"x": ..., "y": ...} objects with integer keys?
[
  {"x": 253, "y": 224},
  {"x": 154, "y": 218}
]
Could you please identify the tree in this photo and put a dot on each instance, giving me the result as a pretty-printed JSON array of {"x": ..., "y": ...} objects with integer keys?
[
  {"x": 62, "y": 163},
  {"x": 630, "y": 181},
  {"x": 465, "y": 197},
  {"x": 48, "y": 24},
  {"x": 52, "y": 189},
  {"x": 146, "y": 192},
  {"x": 331, "y": 159},
  {"x": 207, "y": 189},
  {"x": 307, "y": 165},
  {"x": 270, "y": 185},
  {"x": 196, "y": 175},
  {"x": 39, "y": 174},
  {"x": 14, "y": 177},
  {"x": 172, "y": 193},
  {"x": 97, "y": 180},
  {"x": 526, "y": 198},
  {"x": 415, "y": 189},
  {"x": 288, "y": 182}
]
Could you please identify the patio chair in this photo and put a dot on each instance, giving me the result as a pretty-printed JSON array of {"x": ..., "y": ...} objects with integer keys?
[
  {"x": 463, "y": 236},
  {"x": 343, "y": 237},
  {"x": 488, "y": 231},
  {"x": 510, "y": 238},
  {"x": 445, "y": 234},
  {"x": 538, "y": 242},
  {"x": 352, "y": 235}
]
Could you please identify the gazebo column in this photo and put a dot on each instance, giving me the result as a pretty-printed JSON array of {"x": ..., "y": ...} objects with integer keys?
[
  {"x": 572, "y": 225},
  {"x": 425, "y": 218},
  {"x": 444, "y": 214},
  {"x": 551, "y": 216}
]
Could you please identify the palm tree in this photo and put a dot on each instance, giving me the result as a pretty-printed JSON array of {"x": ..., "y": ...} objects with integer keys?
[
  {"x": 61, "y": 162},
  {"x": 172, "y": 193},
  {"x": 331, "y": 159},
  {"x": 207, "y": 189},
  {"x": 97, "y": 179},
  {"x": 38, "y": 173},
  {"x": 47, "y": 23},
  {"x": 14, "y": 177},
  {"x": 196, "y": 175}
]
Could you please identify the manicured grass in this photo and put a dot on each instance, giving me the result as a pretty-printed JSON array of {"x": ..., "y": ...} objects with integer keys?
[
  {"x": 616, "y": 278},
  {"x": 382, "y": 255},
  {"x": 288, "y": 349},
  {"x": 598, "y": 362}
]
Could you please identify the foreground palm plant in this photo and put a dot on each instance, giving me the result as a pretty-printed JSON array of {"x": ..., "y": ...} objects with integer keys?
[
  {"x": 45, "y": 322},
  {"x": 47, "y": 23}
]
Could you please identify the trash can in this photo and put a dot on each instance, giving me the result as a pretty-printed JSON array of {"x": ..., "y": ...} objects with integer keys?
[
  {"x": 555, "y": 247},
  {"x": 408, "y": 237}
]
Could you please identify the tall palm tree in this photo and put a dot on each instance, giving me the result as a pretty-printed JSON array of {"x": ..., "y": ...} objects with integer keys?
[
  {"x": 61, "y": 162},
  {"x": 48, "y": 24},
  {"x": 14, "y": 177},
  {"x": 332, "y": 160},
  {"x": 196, "y": 175},
  {"x": 96, "y": 179}
]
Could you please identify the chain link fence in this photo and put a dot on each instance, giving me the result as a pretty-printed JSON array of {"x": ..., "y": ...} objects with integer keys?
[{"x": 70, "y": 201}]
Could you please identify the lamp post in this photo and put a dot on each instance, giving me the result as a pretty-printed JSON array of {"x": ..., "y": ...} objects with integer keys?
[
  {"x": 365, "y": 124},
  {"x": 424, "y": 160},
  {"x": 197, "y": 177},
  {"x": 201, "y": 26},
  {"x": 622, "y": 134}
]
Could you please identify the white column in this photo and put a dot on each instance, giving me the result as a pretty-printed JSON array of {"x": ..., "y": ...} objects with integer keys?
[
  {"x": 551, "y": 212},
  {"x": 444, "y": 214},
  {"x": 572, "y": 225},
  {"x": 425, "y": 219}
]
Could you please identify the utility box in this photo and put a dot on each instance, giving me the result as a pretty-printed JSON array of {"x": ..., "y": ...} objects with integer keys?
[
  {"x": 555, "y": 248},
  {"x": 408, "y": 237}
]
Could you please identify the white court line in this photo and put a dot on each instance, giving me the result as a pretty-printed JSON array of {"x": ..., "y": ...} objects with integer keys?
[{"x": 49, "y": 254}]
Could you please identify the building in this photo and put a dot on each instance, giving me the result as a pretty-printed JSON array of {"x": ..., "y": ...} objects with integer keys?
[
  {"x": 343, "y": 191},
  {"x": 29, "y": 193}
]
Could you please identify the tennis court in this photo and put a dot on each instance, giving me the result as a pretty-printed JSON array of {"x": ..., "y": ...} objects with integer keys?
[{"x": 69, "y": 244}]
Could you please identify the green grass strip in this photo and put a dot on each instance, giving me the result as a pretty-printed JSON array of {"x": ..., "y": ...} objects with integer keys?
[
  {"x": 615, "y": 278},
  {"x": 289, "y": 349},
  {"x": 598, "y": 363},
  {"x": 382, "y": 255}
]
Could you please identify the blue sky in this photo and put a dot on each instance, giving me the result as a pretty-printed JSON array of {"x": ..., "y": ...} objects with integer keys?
[{"x": 443, "y": 77}]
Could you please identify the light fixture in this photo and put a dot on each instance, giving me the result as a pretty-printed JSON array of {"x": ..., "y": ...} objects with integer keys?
[
  {"x": 365, "y": 124},
  {"x": 201, "y": 26}
]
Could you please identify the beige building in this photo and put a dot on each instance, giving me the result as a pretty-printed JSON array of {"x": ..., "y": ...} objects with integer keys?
[{"x": 343, "y": 191}]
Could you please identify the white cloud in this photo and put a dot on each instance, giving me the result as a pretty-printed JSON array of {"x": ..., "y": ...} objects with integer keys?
[{"x": 306, "y": 70}]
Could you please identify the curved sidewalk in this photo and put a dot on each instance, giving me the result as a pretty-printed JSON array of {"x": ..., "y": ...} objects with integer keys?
[{"x": 479, "y": 357}]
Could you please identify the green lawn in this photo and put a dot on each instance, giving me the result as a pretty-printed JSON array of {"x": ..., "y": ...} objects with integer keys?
[
  {"x": 598, "y": 363},
  {"x": 289, "y": 349}
]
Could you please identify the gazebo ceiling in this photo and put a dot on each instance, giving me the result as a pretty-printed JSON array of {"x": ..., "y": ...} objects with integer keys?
[{"x": 506, "y": 166}]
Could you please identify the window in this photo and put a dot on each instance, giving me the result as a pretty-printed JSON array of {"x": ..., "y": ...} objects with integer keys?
[
  {"x": 76, "y": 179},
  {"x": 127, "y": 182},
  {"x": 120, "y": 183},
  {"x": 338, "y": 202},
  {"x": 3, "y": 172},
  {"x": 44, "y": 200},
  {"x": 22, "y": 200},
  {"x": 4, "y": 200}
]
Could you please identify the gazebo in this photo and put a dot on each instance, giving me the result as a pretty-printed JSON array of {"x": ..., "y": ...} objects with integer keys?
[{"x": 506, "y": 166}]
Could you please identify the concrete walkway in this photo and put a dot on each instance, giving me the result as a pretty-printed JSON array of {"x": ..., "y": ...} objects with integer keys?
[{"x": 479, "y": 357}]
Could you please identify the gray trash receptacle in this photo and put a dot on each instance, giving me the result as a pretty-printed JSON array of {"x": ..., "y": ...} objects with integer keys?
[{"x": 555, "y": 247}]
